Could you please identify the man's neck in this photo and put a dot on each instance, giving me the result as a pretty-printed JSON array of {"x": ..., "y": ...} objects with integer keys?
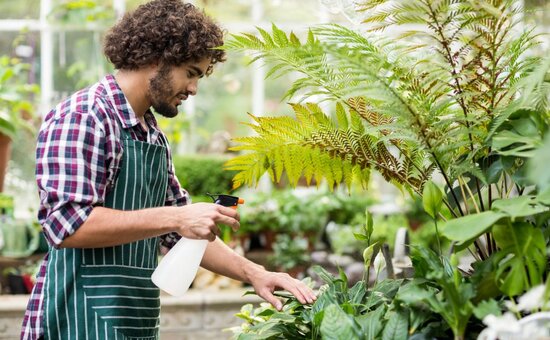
[{"x": 134, "y": 85}]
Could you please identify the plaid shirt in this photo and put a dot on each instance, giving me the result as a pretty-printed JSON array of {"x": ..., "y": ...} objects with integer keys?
[{"x": 77, "y": 158}]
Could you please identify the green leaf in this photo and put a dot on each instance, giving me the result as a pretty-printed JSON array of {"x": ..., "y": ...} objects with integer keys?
[
  {"x": 369, "y": 225},
  {"x": 521, "y": 262},
  {"x": 357, "y": 293},
  {"x": 367, "y": 255},
  {"x": 544, "y": 197},
  {"x": 360, "y": 237},
  {"x": 412, "y": 293},
  {"x": 397, "y": 326},
  {"x": 487, "y": 307},
  {"x": 494, "y": 172},
  {"x": 372, "y": 323},
  {"x": 538, "y": 165},
  {"x": 432, "y": 199},
  {"x": 337, "y": 325},
  {"x": 7, "y": 127},
  {"x": 324, "y": 274},
  {"x": 469, "y": 227},
  {"x": 509, "y": 143},
  {"x": 521, "y": 206},
  {"x": 341, "y": 117}
]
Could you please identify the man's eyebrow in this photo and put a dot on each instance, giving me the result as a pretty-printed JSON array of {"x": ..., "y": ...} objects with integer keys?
[{"x": 197, "y": 70}]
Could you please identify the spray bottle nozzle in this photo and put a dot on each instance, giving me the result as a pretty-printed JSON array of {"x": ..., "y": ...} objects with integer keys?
[{"x": 226, "y": 200}]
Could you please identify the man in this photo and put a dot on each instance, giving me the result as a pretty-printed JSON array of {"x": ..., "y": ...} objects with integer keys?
[{"x": 108, "y": 191}]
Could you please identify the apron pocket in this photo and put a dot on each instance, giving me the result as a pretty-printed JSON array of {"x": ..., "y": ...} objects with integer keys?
[{"x": 119, "y": 299}]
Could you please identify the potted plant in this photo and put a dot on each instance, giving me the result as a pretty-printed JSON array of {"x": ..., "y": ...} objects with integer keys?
[
  {"x": 16, "y": 108},
  {"x": 290, "y": 254},
  {"x": 452, "y": 110}
]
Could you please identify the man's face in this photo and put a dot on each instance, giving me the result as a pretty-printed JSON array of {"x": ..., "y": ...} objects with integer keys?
[{"x": 172, "y": 84}]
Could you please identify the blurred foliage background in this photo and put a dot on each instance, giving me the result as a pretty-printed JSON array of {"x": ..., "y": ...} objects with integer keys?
[{"x": 234, "y": 89}]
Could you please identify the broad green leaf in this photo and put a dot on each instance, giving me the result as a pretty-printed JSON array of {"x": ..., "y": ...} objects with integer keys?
[
  {"x": 372, "y": 323},
  {"x": 357, "y": 293},
  {"x": 538, "y": 165},
  {"x": 397, "y": 326},
  {"x": 494, "y": 172},
  {"x": 337, "y": 325},
  {"x": 544, "y": 197},
  {"x": 521, "y": 262},
  {"x": 412, "y": 293},
  {"x": 469, "y": 227},
  {"x": 432, "y": 199},
  {"x": 267, "y": 330},
  {"x": 521, "y": 206},
  {"x": 388, "y": 287},
  {"x": 509, "y": 143}
]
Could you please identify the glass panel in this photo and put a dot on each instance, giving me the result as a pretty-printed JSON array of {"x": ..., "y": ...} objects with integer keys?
[
  {"x": 223, "y": 100},
  {"x": 538, "y": 11},
  {"x": 25, "y": 47},
  {"x": 78, "y": 60},
  {"x": 303, "y": 12},
  {"x": 226, "y": 11},
  {"x": 6, "y": 43},
  {"x": 20, "y": 9},
  {"x": 81, "y": 12}
]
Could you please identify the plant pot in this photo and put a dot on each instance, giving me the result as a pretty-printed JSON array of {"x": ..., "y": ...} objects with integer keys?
[
  {"x": 5, "y": 153},
  {"x": 18, "y": 284}
]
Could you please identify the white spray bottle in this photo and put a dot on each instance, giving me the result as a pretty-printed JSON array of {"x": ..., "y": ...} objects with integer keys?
[{"x": 177, "y": 269}]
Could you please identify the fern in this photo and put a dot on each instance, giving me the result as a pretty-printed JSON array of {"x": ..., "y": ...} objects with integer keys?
[
  {"x": 441, "y": 91},
  {"x": 319, "y": 148}
]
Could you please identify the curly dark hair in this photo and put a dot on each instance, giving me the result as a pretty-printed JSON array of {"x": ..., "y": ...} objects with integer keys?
[{"x": 167, "y": 32}]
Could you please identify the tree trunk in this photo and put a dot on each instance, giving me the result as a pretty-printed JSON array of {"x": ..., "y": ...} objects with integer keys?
[{"x": 5, "y": 152}]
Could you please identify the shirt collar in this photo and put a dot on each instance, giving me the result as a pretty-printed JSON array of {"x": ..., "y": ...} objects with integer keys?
[{"x": 125, "y": 113}]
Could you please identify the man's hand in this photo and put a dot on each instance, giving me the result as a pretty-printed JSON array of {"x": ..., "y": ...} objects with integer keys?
[
  {"x": 265, "y": 283},
  {"x": 200, "y": 220},
  {"x": 221, "y": 259}
]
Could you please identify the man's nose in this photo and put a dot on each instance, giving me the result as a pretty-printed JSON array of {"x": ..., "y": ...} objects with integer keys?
[{"x": 193, "y": 87}]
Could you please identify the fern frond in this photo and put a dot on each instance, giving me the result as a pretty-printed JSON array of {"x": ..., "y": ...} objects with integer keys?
[{"x": 317, "y": 147}]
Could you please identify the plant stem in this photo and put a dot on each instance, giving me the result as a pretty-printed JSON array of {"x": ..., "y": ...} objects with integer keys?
[
  {"x": 473, "y": 198},
  {"x": 437, "y": 236},
  {"x": 464, "y": 198}
]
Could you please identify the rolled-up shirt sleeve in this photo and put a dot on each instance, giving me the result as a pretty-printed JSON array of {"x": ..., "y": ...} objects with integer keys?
[
  {"x": 71, "y": 172},
  {"x": 175, "y": 196}
]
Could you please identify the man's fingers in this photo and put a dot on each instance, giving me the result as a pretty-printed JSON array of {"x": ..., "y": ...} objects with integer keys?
[
  {"x": 228, "y": 212},
  {"x": 233, "y": 223},
  {"x": 300, "y": 294},
  {"x": 300, "y": 290},
  {"x": 269, "y": 297}
]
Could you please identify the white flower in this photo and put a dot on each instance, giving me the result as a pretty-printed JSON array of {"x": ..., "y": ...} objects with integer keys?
[
  {"x": 533, "y": 299},
  {"x": 505, "y": 324},
  {"x": 379, "y": 262}
]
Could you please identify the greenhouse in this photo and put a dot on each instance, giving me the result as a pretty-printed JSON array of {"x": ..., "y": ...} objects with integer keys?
[{"x": 274, "y": 169}]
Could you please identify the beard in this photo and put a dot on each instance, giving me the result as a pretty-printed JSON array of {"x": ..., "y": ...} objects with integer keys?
[{"x": 160, "y": 93}]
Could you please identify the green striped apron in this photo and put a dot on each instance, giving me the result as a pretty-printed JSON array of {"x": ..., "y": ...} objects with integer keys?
[{"x": 107, "y": 293}]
